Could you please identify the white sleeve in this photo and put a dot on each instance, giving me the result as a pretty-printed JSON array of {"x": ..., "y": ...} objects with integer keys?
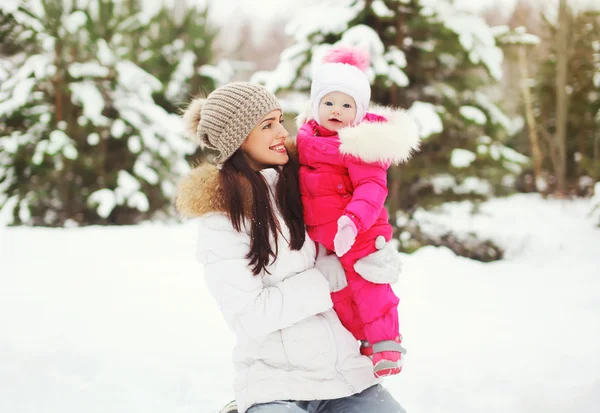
[{"x": 242, "y": 297}]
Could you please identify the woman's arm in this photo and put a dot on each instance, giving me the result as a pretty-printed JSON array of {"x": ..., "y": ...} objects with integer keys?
[{"x": 243, "y": 298}]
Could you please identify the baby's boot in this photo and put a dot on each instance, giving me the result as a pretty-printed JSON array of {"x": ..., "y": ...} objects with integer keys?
[{"x": 386, "y": 356}]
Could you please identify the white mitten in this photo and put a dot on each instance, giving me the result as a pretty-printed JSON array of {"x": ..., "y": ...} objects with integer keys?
[
  {"x": 381, "y": 267},
  {"x": 332, "y": 270},
  {"x": 345, "y": 236}
]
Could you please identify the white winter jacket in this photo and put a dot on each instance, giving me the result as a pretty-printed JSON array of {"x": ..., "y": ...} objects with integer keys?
[{"x": 290, "y": 343}]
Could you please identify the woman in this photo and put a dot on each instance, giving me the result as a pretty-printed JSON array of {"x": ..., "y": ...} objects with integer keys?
[{"x": 272, "y": 287}]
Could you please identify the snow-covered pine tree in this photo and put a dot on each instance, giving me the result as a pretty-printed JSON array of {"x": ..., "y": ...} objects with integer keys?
[
  {"x": 8, "y": 34},
  {"x": 583, "y": 87},
  {"x": 82, "y": 139},
  {"x": 434, "y": 60},
  {"x": 177, "y": 49}
]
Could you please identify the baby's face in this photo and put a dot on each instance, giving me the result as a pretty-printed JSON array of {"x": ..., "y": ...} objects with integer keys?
[{"x": 336, "y": 110}]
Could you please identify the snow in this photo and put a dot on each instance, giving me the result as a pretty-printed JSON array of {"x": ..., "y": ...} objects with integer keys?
[
  {"x": 368, "y": 39},
  {"x": 473, "y": 114},
  {"x": 518, "y": 35},
  {"x": 134, "y": 78},
  {"x": 285, "y": 72},
  {"x": 182, "y": 74},
  {"x": 426, "y": 116},
  {"x": 474, "y": 35},
  {"x": 141, "y": 169},
  {"x": 470, "y": 185},
  {"x": 118, "y": 128},
  {"x": 16, "y": 91},
  {"x": 328, "y": 17},
  {"x": 442, "y": 183},
  {"x": 24, "y": 212},
  {"x": 105, "y": 200},
  {"x": 5, "y": 68},
  {"x": 59, "y": 141},
  {"x": 396, "y": 57},
  {"x": 474, "y": 185},
  {"x": 40, "y": 151},
  {"x": 294, "y": 102},
  {"x": 381, "y": 10},
  {"x": 461, "y": 158},
  {"x": 222, "y": 73},
  {"x": 496, "y": 115},
  {"x": 398, "y": 76},
  {"x": 105, "y": 55},
  {"x": 20, "y": 96},
  {"x": 126, "y": 184},
  {"x": 7, "y": 179},
  {"x": 167, "y": 188},
  {"x": 9, "y": 6},
  {"x": 513, "y": 156},
  {"x": 127, "y": 191},
  {"x": 134, "y": 144},
  {"x": 309, "y": 26},
  {"x": 24, "y": 17},
  {"x": 87, "y": 95},
  {"x": 139, "y": 201},
  {"x": 6, "y": 214},
  {"x": 448, "y": 60},
  {"x": 88, "y": 69},
  {"x": 135, "y": 329},
  {"x": 512, "y": 159},
  {"x": 75, "y": 21},
  {"x": 128, "y": 188},
  {"x": 93, "y": 139}
]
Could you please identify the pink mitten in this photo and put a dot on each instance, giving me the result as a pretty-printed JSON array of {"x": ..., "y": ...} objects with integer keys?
[{"x": 345, "y": 236}]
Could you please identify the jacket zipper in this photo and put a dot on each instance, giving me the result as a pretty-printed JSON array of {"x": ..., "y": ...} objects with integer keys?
[{"x": 332, "y": 337}]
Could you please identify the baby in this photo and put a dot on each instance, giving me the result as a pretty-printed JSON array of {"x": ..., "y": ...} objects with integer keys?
[{"x": 344, "y": 154}]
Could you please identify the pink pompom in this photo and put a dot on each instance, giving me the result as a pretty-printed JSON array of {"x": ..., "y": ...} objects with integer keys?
[{"x": 349, "y": 55}]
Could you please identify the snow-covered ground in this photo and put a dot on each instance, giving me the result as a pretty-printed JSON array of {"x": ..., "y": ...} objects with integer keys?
[{"x": 117, "y": 319}]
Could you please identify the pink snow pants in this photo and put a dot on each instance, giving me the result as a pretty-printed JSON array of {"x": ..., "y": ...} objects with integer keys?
[{"x": 369, "y": 311}]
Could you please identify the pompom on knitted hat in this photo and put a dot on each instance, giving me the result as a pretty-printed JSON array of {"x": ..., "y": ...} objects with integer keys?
[{"x": 343, "y": 70}]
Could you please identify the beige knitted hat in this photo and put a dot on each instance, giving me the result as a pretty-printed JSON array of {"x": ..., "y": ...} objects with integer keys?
[{"x": 226, "y": 117}]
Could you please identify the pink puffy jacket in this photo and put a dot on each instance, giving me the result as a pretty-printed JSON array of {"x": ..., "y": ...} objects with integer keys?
[{"x": 344, "y": 173}]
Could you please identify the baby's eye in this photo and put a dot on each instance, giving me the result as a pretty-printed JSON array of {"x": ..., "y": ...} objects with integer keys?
[
  {"x": 281, "y": 120},
  {"x": 328, "y": 104},
  {"x": 347, "y": 105},
  {"x": 267, "y": 126}
]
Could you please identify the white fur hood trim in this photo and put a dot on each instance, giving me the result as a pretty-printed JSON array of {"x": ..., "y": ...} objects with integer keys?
[{"x": 392, "y": 142}]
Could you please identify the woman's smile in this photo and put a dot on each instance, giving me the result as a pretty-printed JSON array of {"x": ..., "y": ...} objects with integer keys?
[{"x": 280, "y": 147}]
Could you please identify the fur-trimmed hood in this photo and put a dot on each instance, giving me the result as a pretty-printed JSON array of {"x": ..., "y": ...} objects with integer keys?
[
  {"x": 199, "y": 192},
  {"x": 394, "y": 141}
]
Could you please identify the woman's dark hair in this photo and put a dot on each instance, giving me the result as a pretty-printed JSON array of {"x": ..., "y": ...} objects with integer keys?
[{"x": 265, "y": 230}]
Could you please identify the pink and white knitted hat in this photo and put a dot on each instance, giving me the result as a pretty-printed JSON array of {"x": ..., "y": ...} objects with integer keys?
[{"x": 343, "y": 70}]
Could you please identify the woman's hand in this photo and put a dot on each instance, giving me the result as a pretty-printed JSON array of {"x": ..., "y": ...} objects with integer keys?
[
  {"x": 381, "y": 267},
  {"x": 331, "y": 268}
]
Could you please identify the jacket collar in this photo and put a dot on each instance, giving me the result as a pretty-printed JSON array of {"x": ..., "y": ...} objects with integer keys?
[
  {"x": 391, "y": 142},
  {"x": 200, "y": 191},
  {"x": 321, "y": 130}
]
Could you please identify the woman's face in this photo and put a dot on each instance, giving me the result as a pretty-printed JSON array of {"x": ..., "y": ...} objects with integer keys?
[{"x": 264, "y": 147}]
